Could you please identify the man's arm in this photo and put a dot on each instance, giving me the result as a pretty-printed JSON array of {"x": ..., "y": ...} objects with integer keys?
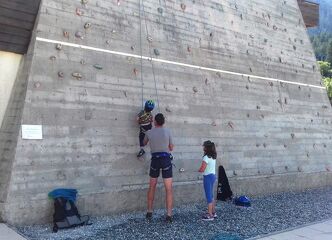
[{"x": 170, "y": 145}]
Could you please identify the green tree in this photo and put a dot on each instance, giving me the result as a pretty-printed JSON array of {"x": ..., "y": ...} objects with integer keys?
[
  {"x": 329, "y": 53},
  {"x": 328, "y": 85},
  {"x": 325, "y": 68}
]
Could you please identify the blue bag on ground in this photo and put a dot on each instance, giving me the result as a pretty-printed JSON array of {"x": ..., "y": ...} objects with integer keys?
[
  {"x": 65, "y": 211},
  {"x": 243, "y": 201}
]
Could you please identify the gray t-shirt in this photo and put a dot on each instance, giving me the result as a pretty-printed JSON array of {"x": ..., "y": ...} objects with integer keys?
[{"x": 159, "y": 139}]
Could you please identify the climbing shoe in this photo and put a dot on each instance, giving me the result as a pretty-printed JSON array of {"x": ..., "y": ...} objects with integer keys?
[
  {"x": 148, "y": 216},
  {"x": 215, "y": 215},
  {"x": 169, "y": 219},
  {"x": 141, "y": 153},
  {"x": 208, "y": 217}
]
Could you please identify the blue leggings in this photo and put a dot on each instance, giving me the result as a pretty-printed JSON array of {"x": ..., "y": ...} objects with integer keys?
[{"x": 208, "y": 182}]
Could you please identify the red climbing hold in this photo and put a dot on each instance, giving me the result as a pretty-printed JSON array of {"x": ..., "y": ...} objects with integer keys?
[
  {"x": 135, "y": 71},
  {"x": 79, "y": 12}
]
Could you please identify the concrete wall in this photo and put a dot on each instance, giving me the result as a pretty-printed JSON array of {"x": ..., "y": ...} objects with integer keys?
[
  {"x": 9, "y": 64},
  {"x": 271, "y": 136}
]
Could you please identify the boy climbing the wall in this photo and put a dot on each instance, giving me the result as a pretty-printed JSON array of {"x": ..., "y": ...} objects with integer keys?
[{"x": 145, "y": 119}]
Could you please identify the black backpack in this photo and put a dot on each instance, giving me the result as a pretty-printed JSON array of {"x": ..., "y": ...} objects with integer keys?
[
  {"x": 66, "y": 215},
  {"x": 224, "y": 191}
]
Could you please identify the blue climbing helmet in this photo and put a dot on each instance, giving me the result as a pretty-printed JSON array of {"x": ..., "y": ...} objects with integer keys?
[
  {"x": 243, "y": 201},
  {"x": 149, "y": 105}
]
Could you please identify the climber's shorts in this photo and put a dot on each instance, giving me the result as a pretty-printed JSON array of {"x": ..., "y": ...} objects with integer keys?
[{"x": 161, "y": 162}]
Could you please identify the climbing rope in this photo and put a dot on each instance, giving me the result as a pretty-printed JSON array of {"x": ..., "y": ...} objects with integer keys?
[
  {"x": 150, "y": 54},
  {"x": 141, "y": 51}
]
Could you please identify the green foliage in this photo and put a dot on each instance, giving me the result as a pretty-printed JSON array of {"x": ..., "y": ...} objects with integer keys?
[
  {"x": 321, "y": 44},
  {"x": 329, "y": 53},
  {"x": 328, "y": 85},
  {"x": 325, "y": 69}
]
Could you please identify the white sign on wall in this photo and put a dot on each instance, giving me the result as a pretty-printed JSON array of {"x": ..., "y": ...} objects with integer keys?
[{"x": 32, "y": 132}]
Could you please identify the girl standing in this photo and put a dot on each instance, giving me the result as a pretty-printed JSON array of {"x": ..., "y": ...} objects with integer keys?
[{"x": 208, "y": 168}]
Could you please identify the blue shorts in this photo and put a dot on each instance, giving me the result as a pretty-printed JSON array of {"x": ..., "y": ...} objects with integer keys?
[{"x": 208, "y": 182}]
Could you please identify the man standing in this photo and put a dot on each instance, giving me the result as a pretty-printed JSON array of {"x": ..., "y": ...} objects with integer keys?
[{"x": 161, "y": 145}]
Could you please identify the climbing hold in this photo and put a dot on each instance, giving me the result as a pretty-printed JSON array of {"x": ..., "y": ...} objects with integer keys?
[
  {"x": 247, "y": 87},
  {"x": 312, "y": 120},
  {"x": 264, "y": 145},
  {"x": 149, "y": 38},
  {"x": 76, "y": 75},
  {"x": 188, "y": 48},
  {"x": 79, "y": 12},
  {"x": 280, "y": 60},
  {"x": 82, "y": 62},
  {"x": 324, "y": 106},
  {"x": 265, "y": 40},
  {"x": 251, "y": 35},
  {"x": 119, "y": 2},
  {"x": 272, "y": 171},
  {"x": 211, "y": 34},
  {"x": 97, "y": 66},
  {"x": 84, "y": 2},
  {"x": 231, "y": 125},
  {"x": 218, "y": 74},
  {"x": 249, "y": 79},
  {"x": 328, "y": 169},
  {"x": 214, "y": 123},
  {"x": 241, "y": 16},
  {"x": 66, "y": 34},
  {"x": 299, "y": 87},
  {"x": 294, "y": 47},
  {"x": 195, "y": 89},
  {"x": 248, "y": 115},
  {"x": 282, "y": 84},
  {"x": 132, "y": 48},
  {"x": 79, "y": 34},
  {"x": 250, "y": 69},
  {"x": 300, "y": 169},
  {"x": 37, "y": 85},
  {"x": 258, "y": 107},
  {"x": 309, "y": 95},
  {"x": 286, "y": 102},
  {"x": 183, "y": 6},
  {"x": 292, "y": 135},
  {"x": 87, "y": 25},
  {"x": 52, "y": 58},
  {"x": 129, "y": 59},
  {"x": 317, "y": 114},
  {"x": 308, "y": 155},
  {"x": 108, "y": 42},
  {"x": 156, "y": 52},
  {"x": 262, "y": 116},
  {"x": 160, "y": 10},
  {"x": 324, "y": 145},
  {"x": 234, "y": 173},
  {"x": 271, "y": 84},
  {"x": 279, "y": 101},
  {"x": 285, "y": 146},
  {"x": 314, "y": 145},
  {"x": 61, "y": 74},
  {"x": 113, "y": 31},
  {"x": 257, "y": 144},
  {"x": 58, "y": 46},
  {"x": 206, "y": 81},
  {"x": 125, "y": 93},
  {"x": 168, "y": 109},
  {"x": 135, "y": 71},
  {"x": 275, "y": 27}
]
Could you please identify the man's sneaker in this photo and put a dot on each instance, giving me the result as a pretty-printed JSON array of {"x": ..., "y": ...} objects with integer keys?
[
  {"x": 141, "y": 153},
  {"x": 148, "y": 216},
  {"x": 169, "y": 219},
  {"x": 215, "y": 215},
  {"x": 208, "y": 217}
]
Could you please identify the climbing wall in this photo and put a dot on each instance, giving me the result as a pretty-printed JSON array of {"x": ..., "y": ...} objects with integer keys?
[{"x": 240, "y": 73}]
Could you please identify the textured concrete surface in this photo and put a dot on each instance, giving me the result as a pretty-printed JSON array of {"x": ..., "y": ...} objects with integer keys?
[
  {"x": 318, "y": 231},
  {"x": 8, "y": 234},
  {"x": 270, "y": 136}
]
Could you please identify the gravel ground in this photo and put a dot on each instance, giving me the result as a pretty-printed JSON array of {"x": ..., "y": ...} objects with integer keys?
[{"x": 268, "y": 214}]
